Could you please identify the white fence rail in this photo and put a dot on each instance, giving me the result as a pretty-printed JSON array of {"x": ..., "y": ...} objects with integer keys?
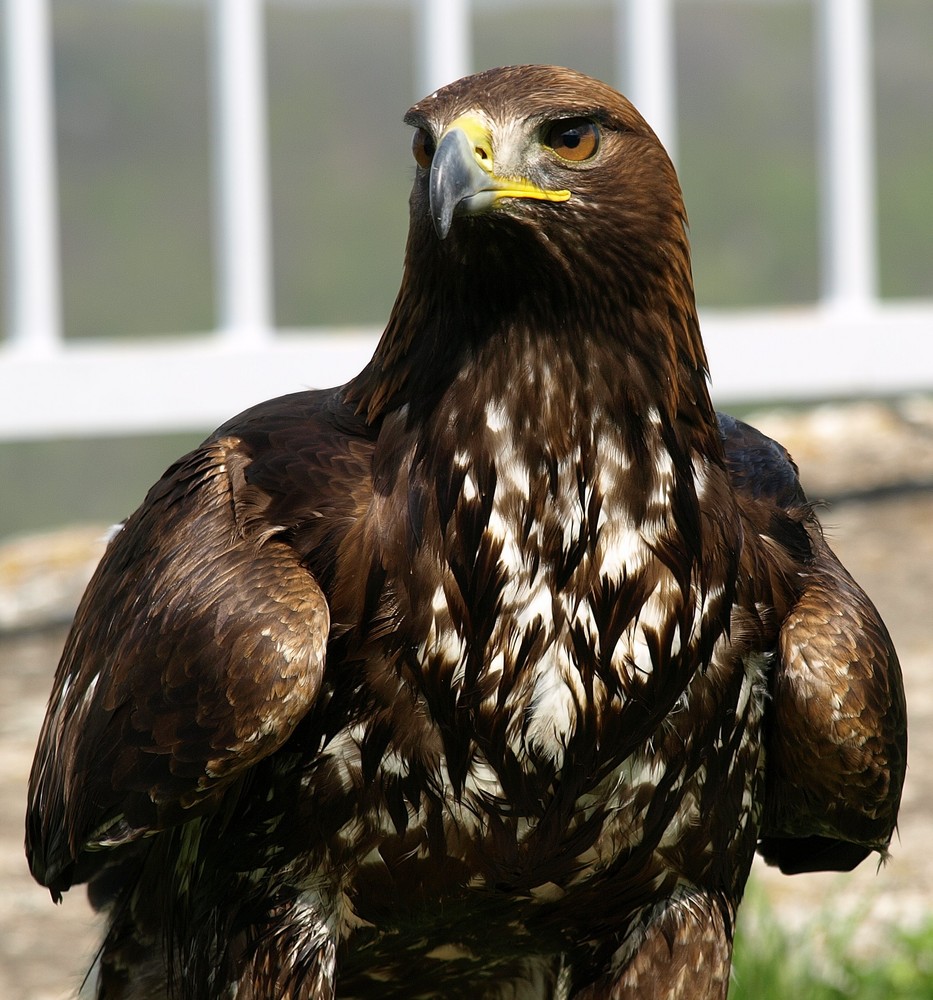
[{"x": 851, "y": 342}]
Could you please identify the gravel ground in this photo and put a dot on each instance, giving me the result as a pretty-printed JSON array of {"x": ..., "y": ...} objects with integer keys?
[{"x": 872, "y": 462}]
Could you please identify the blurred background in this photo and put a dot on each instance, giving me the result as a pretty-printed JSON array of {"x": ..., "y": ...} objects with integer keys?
[
  {"x": 218, "y": 192},
  {"x": 144, "y": 247}
]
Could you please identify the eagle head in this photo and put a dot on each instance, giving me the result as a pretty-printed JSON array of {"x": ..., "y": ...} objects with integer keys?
[
  {"x": 546, "y": 218},
  {"x": 544, "y": 160}
]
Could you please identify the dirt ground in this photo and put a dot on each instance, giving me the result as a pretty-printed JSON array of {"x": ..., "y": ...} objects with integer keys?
[{"x": 872, "y": 462}]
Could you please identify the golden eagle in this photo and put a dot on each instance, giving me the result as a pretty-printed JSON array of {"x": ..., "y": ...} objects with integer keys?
[{"x": 484, "y": 674}]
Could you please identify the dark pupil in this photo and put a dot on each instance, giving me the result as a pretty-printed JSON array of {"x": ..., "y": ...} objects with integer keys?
[
  {"x": 427, "y": 144},
  {"x": 571, "y": 138}
]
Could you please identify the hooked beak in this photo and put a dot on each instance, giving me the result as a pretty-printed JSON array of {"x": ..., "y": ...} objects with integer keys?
[{"x": 463, "y": 181}]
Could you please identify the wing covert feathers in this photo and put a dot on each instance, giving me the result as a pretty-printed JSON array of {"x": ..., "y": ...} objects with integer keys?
[
  {"x": 210, "y": 650},
  {"x": 837, "y": 747},
  {"x": 836, "y": 735}
]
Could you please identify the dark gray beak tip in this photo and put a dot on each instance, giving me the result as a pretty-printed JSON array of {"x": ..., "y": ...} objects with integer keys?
[{"x": 442, "y": 219}]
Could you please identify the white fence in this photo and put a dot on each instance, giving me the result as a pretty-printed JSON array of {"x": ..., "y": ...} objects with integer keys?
[{"x": 850, "y": 343}]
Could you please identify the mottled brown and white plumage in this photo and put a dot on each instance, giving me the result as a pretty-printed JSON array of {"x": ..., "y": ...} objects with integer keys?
[{"x": 484, "y": 674}]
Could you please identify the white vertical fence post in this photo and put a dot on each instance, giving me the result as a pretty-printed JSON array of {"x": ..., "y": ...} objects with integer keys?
[
  {"x": 443, "y": 47},
  {"x": 849, "y": 251},
  {"x": 242, "y": 226},
  {"x": 33, "y": 289},
  {"x": 645, "y": 45}
]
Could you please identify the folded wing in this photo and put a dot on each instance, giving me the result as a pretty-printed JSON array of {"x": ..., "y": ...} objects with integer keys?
[
  {"x": 836, "y": 739},
  {"x": 197, "y": 648}
]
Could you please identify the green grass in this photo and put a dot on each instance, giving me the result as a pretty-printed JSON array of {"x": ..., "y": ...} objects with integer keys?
[{"x": 829, "y": 957}]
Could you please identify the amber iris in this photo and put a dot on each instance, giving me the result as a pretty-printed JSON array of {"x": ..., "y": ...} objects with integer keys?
[
  {"x": 573, "y": 138},
  {"x": 422, "y": 147}
]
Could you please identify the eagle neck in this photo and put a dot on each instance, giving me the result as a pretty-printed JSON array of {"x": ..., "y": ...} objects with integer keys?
[{"x": 560, "y": 351}]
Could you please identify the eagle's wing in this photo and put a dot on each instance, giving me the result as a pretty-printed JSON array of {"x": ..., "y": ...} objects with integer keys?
[
  {"x": 198, "y": 646},
  {"x": 836, "y": 740},
  {"x": 838, "y": 744}
]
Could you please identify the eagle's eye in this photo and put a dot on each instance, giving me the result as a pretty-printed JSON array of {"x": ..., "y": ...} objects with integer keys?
[
  {"x": 422, "y": 147},
  {"x": 572, "y": 138}
]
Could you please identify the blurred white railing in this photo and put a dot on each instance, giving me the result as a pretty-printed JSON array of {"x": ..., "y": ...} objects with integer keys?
[{"x": 850, "y": 343}]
